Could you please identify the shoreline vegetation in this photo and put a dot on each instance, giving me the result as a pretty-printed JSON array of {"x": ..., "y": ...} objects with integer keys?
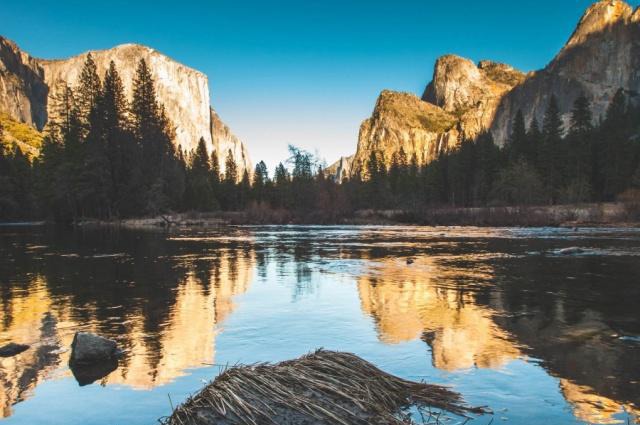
[{"x": 573, "y": 215}]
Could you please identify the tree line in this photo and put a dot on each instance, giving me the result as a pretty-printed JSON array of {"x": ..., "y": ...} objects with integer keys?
[
  {"x": 540, "y": 164},
  {"x": 106, "y": 157}
]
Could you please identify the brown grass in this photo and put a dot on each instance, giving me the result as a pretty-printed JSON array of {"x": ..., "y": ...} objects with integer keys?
[{"x": 324, "y": 387}]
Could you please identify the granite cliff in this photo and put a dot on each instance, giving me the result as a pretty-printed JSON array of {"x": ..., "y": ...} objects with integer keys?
[
  {"x": 27, "y": 85},
  {"x": 464, "y": 99}
]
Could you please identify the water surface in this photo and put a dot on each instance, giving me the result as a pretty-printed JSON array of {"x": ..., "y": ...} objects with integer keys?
[{"x": 501, "y": 315}]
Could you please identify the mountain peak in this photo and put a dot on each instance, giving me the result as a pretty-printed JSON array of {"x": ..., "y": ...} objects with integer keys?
[{"x": 598, "y": 17}]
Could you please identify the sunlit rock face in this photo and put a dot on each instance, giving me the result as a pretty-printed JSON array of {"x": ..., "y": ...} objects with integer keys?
[
  {"x": 402, "y": 120},
  {"x": 406, "y": 305},
  {"x": 590, "y": 407},
  {"x": 28, "y": 84},
  {"x": 224, "y": 141},
  {"x": 23, "y": 93},
  {"x": 471, "y": 92},
  {"x": 341, "y": 169},
  {"x": 602, "y": 55}
]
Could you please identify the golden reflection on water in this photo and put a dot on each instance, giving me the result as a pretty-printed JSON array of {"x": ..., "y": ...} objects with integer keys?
[
  {"x": 406, "y": 304},
  {"x": 593, "y": 408},
  {"x": 186, "y": 339},
  {"x": 429, "y": 299}
]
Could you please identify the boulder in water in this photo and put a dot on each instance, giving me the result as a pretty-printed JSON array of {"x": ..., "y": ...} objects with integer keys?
[
  {"x": 12, "y": 349},
  {"x": 88, "y": 348},
  {"x": 571, "y": 251}
]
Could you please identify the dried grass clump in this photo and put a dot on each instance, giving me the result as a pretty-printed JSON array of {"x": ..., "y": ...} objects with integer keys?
[{"x": 324, "y": 387}]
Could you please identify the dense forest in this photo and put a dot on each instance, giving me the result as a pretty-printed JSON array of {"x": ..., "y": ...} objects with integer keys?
[{"x": 105, "y": 157}]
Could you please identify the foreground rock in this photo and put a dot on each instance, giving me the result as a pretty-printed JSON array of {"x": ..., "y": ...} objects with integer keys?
[
  {"x": 88, "y": 349},
  {"x": 322, "y": 388},
  {"x": 12, "y": 349}
]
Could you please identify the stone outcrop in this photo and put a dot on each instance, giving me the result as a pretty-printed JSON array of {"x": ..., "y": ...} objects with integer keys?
[
  {"x": 88, "y": 348},
  {"x": 601, "y": 56},
  {"x": 402, "y": 120},
  {"x": 27, "y": 85},
  {"x": 471, "y": 92},
  {"x": 459, "y": 103},
  {"x": 341, "y": 169},
  {"x": 23, "y": 92}
]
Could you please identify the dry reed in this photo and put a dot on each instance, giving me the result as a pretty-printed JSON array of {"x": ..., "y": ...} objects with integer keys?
[{"x": 324, "y": 387}]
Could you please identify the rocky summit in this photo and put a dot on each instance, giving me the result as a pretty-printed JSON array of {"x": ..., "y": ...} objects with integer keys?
[
  {"x": 28, "y": 85},
  {"x": 464, "y": 98}
]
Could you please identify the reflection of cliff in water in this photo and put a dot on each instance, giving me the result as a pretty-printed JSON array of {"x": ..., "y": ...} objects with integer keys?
[
  {"x": 409, "y": 302},
  {"x": 163, "y": 313},
  {"x": 482, "y": 312},
  {"x": 557, "y": 308}
]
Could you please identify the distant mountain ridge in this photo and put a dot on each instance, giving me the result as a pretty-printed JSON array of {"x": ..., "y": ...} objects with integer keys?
[
  {"x": 464, "y": 99},
  {"x": 27, "y": 85}
]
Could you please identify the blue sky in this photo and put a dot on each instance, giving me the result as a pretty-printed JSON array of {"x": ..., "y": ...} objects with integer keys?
[{"x": 302, "y": 72}]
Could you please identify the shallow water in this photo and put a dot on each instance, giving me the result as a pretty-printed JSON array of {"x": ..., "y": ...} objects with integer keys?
[{"x": 501, "y": 315}]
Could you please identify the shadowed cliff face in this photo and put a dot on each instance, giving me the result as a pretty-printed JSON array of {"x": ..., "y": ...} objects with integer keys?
[
  {"x": 601, "y": 56},
  {"x": 26, "y": 86},
  {"x": 23, "y": 93}
]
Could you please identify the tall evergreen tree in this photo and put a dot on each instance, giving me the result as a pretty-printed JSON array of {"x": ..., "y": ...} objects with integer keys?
[
  {"x": 260, "y": 179},
  {"x": 616, "y": 150},
  {"x": 518, "y": 138},
  {"x": 89, "y": 90},
  {"x": 579, "y": 143},
  {"x": 551, "y": 153}
]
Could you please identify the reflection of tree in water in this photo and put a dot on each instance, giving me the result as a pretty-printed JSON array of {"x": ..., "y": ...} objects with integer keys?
[
  {"x": 158, "y": 303},
  {"x": 571, "y": 313},
  {"x": 478, "y": 310}
]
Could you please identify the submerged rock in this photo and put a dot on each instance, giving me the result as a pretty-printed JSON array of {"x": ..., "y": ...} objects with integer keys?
[
  {"x": 12, "y": 349},
  {"x": 571, "y": 251},
  {"x": 88, "y": 348}
]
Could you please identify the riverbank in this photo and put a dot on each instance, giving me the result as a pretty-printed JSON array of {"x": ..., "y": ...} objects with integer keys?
[{"x": 604, "y": 214}]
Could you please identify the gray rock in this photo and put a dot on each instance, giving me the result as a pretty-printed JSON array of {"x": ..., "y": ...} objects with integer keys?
[
  {"x": 571, "y": 251},
  {"x": 88, "y": 348},
  {"x": 12, "y": 349}
]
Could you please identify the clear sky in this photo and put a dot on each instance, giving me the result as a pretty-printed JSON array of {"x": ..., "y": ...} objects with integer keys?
[{"x": 301, "y": 72}]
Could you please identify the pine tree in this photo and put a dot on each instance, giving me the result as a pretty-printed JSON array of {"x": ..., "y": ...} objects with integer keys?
[
  {"x": 119, "y": 143},
  {"x": 579, "y": 146},
  {"x": 162, "y": 174},
  {"x": 282, "y": 181},
  {"x": 551, "y": 153},
  {"x": 518, "y": 138},
  {"x": 616, "y": 150},
  {"x": 260, "y": 179},
  {"x": 215, "y": 171},
  {"x": 89, "y": 90},
  {"x": 231, "y": 169},
  {"x": 533, "y": 142},
  {"x": 199, "y": 194}
]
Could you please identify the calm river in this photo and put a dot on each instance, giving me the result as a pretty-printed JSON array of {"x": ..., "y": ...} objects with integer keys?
[{"x": 498, "y": 314}]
